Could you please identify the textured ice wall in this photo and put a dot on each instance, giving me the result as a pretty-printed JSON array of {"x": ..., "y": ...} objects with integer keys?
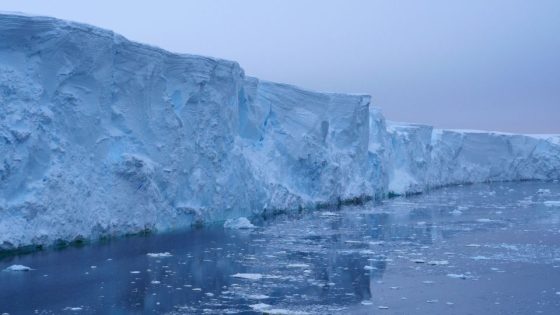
[
  {"x": 101, "y": 136},
  {"x": 307, "y": 148},
  {"x": 421, "y": 157}
]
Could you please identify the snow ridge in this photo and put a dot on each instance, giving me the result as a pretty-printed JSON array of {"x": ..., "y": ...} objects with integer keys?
[{"x": 101, "y": 136}]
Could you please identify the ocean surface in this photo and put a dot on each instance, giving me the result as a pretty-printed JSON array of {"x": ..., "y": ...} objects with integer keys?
[{"x": 474, "y": 249}]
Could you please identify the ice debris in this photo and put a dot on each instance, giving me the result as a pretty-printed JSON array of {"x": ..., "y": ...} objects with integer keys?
[
  {"x": 248, "y": 276},
  {"x": 239, "y": 223},
  {"x": 18, "y": 268},
  {"x": 159, "y": 255}
]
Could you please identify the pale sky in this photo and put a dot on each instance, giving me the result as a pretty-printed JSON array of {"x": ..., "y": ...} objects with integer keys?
[{"x": 477, "y": 64}]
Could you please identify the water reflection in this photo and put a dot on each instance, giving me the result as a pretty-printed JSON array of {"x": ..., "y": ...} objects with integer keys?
[{"x": 335, "y": 261}]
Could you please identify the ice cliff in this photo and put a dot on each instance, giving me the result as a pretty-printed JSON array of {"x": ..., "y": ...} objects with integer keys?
[{"x": 101, "y": 136}]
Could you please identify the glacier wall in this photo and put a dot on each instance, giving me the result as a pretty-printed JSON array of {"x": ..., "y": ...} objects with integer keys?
[
  {"x": 420, "y": 157},
  {"x": 101, "y": 136}
]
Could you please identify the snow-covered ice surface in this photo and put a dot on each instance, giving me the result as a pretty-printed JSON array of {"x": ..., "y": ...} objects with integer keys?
[
  {"x": 310, "y": 263},
  {"x": 101, "y": 136}
]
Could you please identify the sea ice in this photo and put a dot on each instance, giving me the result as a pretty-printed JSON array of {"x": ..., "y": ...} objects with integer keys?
[
  {"x": 159, "y": 255},
  {"x": 248, "y": 276},
  {"x": 239, "y": 223},
  {"x": 552, "y": 203},
  {"x": 18, "y": 268}
]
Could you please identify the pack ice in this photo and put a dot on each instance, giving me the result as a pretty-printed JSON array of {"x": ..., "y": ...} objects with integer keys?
[{"x": 101, "y": 136}]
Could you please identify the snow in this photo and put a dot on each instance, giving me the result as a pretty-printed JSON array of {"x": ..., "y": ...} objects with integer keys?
[{"x": 101, "y": 136}]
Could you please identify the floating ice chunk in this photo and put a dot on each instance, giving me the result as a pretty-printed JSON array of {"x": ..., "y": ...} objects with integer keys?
[
  {"x": 258, "y": 297},
  {"x": 328, "y": 214},
  {"x": 266, "y": 308},
  {"x": 432, "y": 301},
  {"x": 473, "y": 245},
  {"x": 73, "y": 309},
  {"x": 248, "y": 276},
  {"x": 480, "y": 257},
  {"x": 155, "y": 282},
  {"x": 159, "y": 255},
  {"x": 259, "y": 307},
  {"x": 366, "y": 302},
  {"x": 552, "y": 203},
  {"x": 456, "y": 212},
  {"x": 484, "y": 220},
  {"x": 18, "y": 268},
  {"x": 135, "y": 272},
  {"x": 438, "y": 262},
  {"x": 297, "y": 266},
  {"x": 367, "y": 252},
  {"x": 383, "y": 307},
  {"x": 239, "y": 223},
  {"x": 457, "y": 276},
  {"x": 369, "y": 268},
  {"x": 508, "y": 246}
]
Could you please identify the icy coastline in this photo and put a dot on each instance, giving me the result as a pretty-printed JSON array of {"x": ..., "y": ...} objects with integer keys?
[{"x": 101, "y": 136}]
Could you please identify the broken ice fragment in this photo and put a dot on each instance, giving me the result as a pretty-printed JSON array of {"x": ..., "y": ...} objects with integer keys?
[
  {"x": 552, "y": 203},
  {"x": 457, "y": 276},
  {"x": 248, "y": 276},
  {"x": 18, "y": 268},
  {"x": 297, "y": 266},
  {"x": 159, "y": 255},
  {"x": 239, "y": 223}
]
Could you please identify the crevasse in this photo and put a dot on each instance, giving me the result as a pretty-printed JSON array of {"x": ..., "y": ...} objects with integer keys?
[{"x": 101, "y": 136}]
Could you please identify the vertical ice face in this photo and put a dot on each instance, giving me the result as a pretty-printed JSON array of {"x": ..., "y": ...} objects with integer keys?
[
  {"x": 408, "y": 157},
  {"x": 474, "y": 156},
  {"x": 421, "y": 157},
  {"x": 307, "y": 147},
  {"x": 103, "y": 136}
]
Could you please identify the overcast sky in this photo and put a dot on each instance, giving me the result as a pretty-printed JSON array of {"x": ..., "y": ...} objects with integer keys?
[{"x": 473, "y": 64}]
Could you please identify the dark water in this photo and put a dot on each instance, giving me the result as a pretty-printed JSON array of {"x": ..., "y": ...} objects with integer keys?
[{"x": 480, "y": 249}]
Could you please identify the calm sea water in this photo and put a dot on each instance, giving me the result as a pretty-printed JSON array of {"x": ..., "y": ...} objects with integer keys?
[{"x": 477, "y": 249}]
